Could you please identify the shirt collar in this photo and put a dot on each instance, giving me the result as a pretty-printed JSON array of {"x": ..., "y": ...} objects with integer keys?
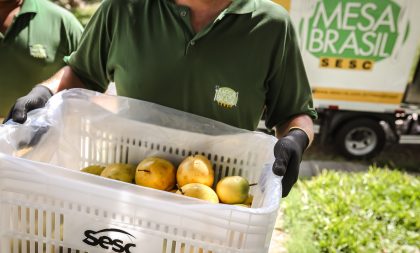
[
  {"x": 236, "y": 7},
  {"x": 29, "y": 6},
  {"x": 242, "y": 6}
]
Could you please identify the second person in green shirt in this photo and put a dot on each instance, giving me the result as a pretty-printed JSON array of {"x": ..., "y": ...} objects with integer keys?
[{"x": 35, "y": 35}]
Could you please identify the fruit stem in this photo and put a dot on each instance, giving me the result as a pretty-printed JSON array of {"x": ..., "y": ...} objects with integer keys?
[
  {"x": 145, "y": 170},
  {"x": 253, "y": 184},
  {"x": 180, "y": 189}
]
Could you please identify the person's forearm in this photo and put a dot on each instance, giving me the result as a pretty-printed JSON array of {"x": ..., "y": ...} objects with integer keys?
[
  {"x": 65, "y": 78},
  {"x": 302, "y": 121}
]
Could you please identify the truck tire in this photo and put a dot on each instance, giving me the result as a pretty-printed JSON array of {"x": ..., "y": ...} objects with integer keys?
[{"x": 360, "y": 139}]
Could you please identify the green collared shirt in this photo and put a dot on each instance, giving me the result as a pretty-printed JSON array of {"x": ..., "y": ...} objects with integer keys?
[
  {"x": 33, "y": 47},
  {"x": 246, "y": 61}
]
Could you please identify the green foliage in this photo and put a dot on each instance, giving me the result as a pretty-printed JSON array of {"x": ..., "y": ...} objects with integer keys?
[
  {"x": 300, "y": 230},
  {"x": 82, "y": 9},
  {"x": 377, "y": 211},
  {"x": 83, "y": 14},
  {"x": 71, "y": 4}
]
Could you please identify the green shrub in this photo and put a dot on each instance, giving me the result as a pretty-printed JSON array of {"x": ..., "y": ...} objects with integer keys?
[
  {"x": 82, "y": 9},
  {"x": 377, "y": 211},
  {"x": 83, "y": 14}
]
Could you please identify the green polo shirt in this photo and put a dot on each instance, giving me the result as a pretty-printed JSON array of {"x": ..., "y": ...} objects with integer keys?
[
  {"x": 33, "y": 47},
  {"x": 246, "y": 61}
]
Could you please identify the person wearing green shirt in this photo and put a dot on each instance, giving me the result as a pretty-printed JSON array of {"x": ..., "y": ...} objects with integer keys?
[
  {"x": 35, "y": 35},
  {"x": 227, "y": 60}
]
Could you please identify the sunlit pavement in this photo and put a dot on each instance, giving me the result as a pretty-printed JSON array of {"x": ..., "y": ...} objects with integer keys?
[
  {"x": 313, "y": 167},
  {"x": 279, "y": 237}
]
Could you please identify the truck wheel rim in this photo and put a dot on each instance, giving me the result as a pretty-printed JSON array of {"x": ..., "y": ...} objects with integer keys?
[{"x": 360, "y": 141}]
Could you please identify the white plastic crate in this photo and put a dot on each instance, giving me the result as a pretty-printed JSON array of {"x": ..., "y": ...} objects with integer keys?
[{"x": 47, "y": 205}]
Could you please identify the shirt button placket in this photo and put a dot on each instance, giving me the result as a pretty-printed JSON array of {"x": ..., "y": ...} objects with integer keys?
[{"x": 183, "y": 13}]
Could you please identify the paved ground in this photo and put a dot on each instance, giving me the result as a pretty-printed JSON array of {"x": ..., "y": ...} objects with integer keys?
[
  {"x": 279, "y": 238},
  {"x": 395, "y": 156}
]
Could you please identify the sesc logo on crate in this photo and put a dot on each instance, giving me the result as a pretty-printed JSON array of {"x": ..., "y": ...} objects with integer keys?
[
  {"x": 108, "y": 236},
  {"x": 111, "y": 238}
]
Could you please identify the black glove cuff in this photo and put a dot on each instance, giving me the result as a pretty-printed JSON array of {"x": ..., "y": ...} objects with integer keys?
[
  {"x": 300, "y": 137},
  {"x": 43, "y": 89}
]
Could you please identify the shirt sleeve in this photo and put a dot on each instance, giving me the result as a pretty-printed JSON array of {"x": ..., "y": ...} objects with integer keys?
[
  {"x": 74, "y": 32},
  {"x": 89, "y": 61},
  {"x": 289, "y": 93}
]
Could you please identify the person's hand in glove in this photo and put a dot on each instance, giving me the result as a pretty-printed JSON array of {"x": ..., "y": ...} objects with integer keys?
[
  {"x": 65, "y": 78},
  {"x": 35, "y": 99},
  {"x": 288, "y": 153}
]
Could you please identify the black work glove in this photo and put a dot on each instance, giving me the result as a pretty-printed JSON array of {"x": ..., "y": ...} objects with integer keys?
[
  {"x": 288, "y": 153},
  {"x": 35, "y": 99}
]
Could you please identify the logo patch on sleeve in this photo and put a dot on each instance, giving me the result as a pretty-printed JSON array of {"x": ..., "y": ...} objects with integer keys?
[
  {"x": 38, "y": 51},
  {"x": 226, "y": 97}
]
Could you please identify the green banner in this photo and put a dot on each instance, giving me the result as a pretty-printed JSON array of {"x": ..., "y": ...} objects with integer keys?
[{"x": 354, "y": 29}]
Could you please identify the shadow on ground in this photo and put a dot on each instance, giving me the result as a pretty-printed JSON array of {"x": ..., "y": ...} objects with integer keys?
[{"x": 394, "y": 156}]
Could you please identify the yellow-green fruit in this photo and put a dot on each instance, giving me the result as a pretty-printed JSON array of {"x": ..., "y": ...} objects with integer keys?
[
  {"x": 94, "y": 169},
  {"x": 249, "y": 200},
  {"x": 243, "y": 205},
  {"x": 120, "y": 171},
  {"x": 233, "y": 190},
  {"x": 195, "y": 169},
  {"x": 156, "y": 173},
  {"x": 199, "y": 191}
]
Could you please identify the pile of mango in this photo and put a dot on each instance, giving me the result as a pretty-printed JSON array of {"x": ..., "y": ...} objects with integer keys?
[{"x": 194, "y": 177}]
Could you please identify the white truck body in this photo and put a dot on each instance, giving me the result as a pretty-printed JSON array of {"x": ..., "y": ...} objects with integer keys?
[
  {"x": 358, "y": 54},
  {"x": 360, "y": 57}
]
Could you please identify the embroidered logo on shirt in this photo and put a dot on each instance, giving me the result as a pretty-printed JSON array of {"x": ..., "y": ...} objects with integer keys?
[
  {"x": 38, "y": 51},
  {"x": 226, "y": 97}
]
